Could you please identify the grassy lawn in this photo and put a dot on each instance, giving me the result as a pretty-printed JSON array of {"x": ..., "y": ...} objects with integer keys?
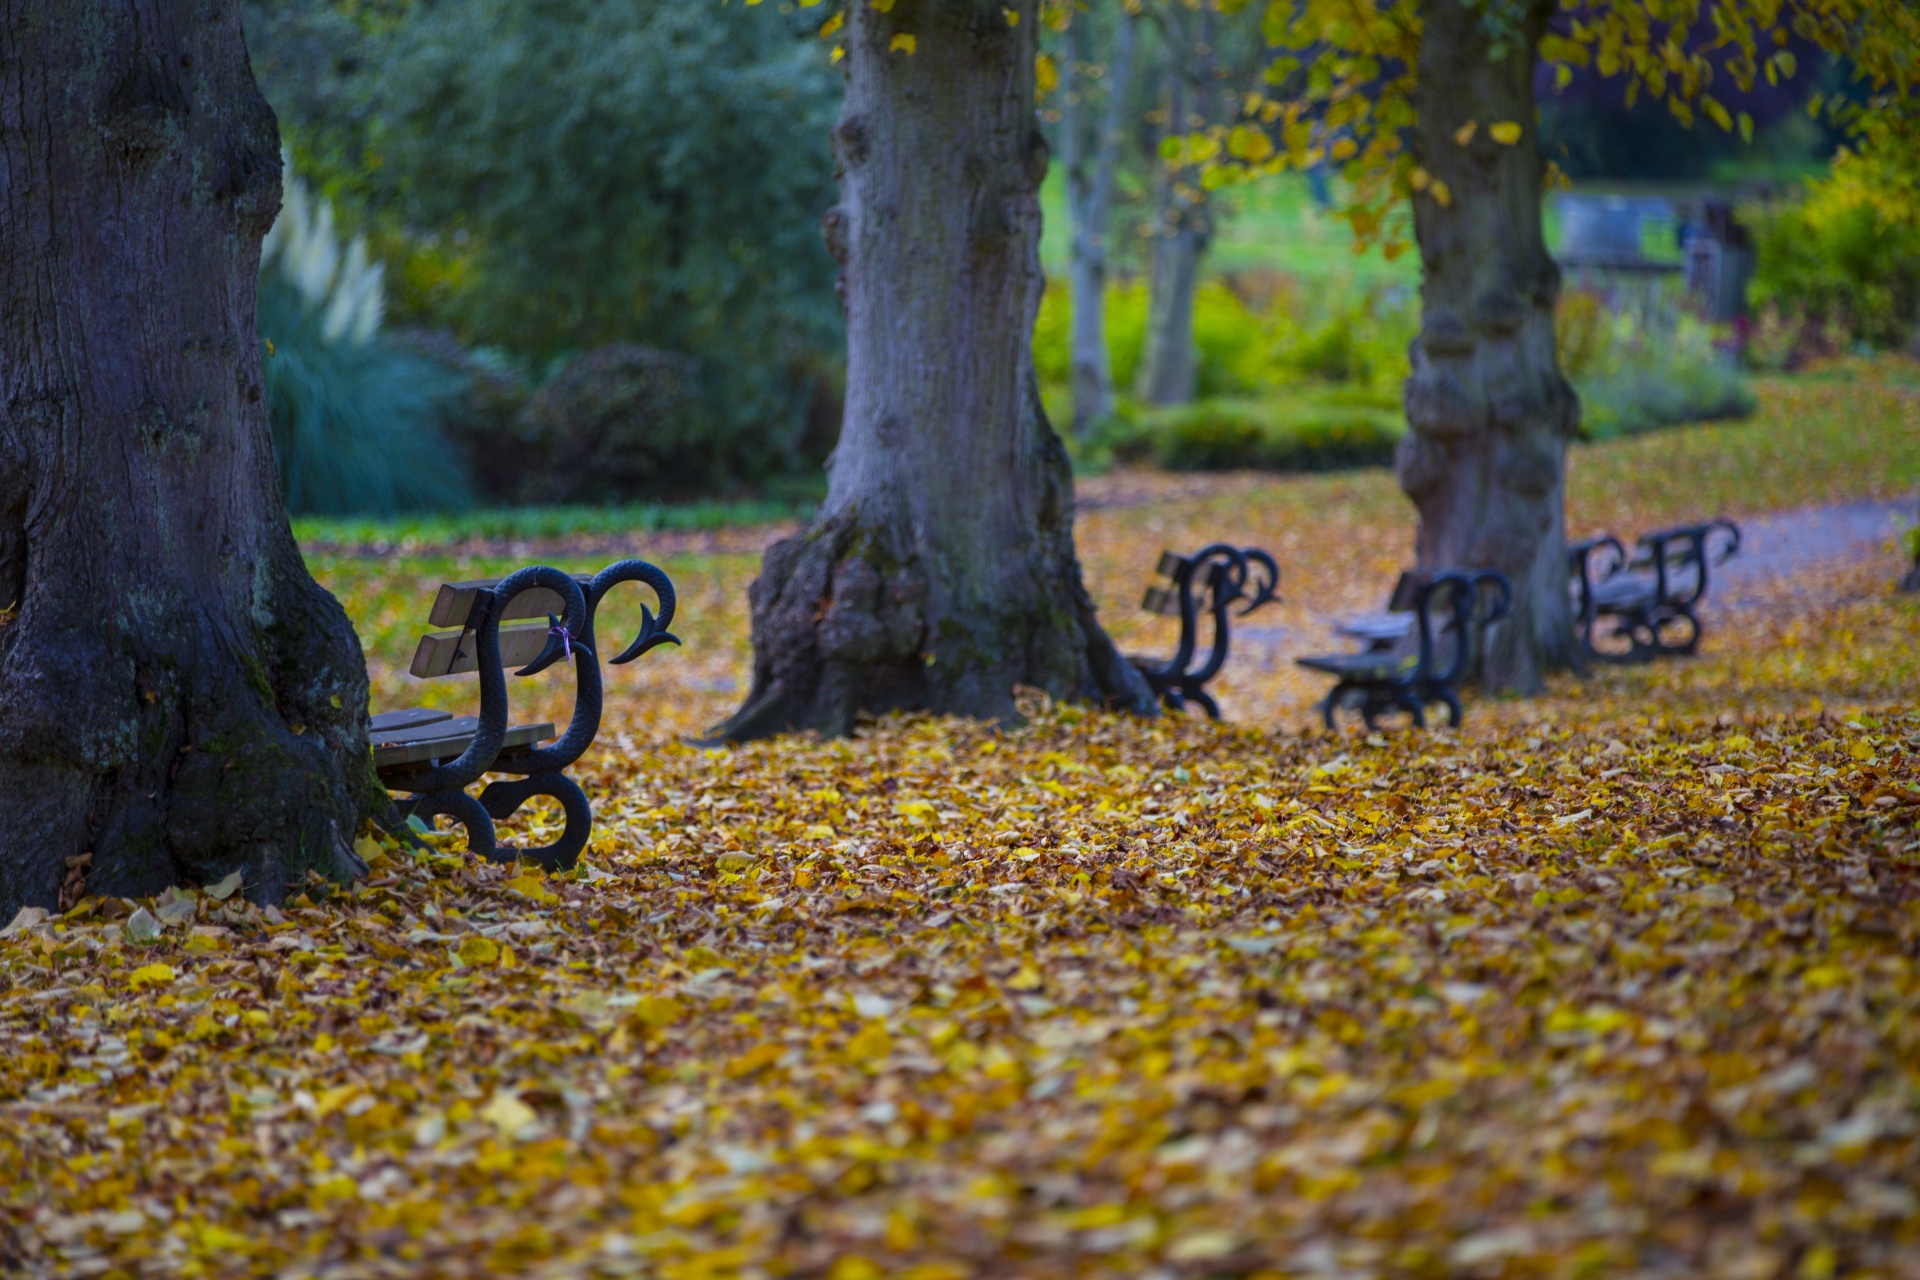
[{"x": 1617, "y": 981}]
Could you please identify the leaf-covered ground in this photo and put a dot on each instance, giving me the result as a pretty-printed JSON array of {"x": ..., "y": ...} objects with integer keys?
[{"x": 1620, "y": 981}]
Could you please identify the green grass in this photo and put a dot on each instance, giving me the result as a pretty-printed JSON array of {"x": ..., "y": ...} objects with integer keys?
[{"x": 520, "y": 524}]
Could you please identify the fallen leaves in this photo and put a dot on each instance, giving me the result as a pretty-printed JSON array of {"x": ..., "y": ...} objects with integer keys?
[{"x": 1558, "y": 999}]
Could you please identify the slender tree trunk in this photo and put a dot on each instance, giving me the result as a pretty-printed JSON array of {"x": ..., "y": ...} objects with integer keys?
[
  {"x": 1169, "y": 371},
  {"x": 1170, "y": 363},
  {"x": 940, "y": 571},
  {"x": 1091, "y": 162},
  {"x": 178, "y": 699},
  {"x": 1488, "y": 410}
]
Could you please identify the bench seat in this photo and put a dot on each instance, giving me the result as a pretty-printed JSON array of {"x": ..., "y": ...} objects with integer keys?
[
  {"x": 1368, "y": 666},
  {"x": 436, "y": 735}
]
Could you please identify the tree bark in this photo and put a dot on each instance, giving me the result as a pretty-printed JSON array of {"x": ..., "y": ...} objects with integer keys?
[
  {"x": 1488, "y": 410},
  {"x": 1169, "y": 371},
  {"x": 1092, "y": 157},
  {"x": 177, "y": 697},
  {"x": 940, "y": 571}
]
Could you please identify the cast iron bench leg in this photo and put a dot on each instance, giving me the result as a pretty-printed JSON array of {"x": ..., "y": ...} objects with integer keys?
[
  {"x": 459, "y": 806},
  {"x": 503, "y": 799}
]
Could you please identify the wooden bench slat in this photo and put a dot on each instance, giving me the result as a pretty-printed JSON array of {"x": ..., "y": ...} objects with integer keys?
[
  {"x": 1170, "y": 565},
  {"x": 445, "y": 740},
  {"x": 1161, "y": 600},
  {"x": 453, "y": 606},
  {"x": 412, "y": 717},
  {"x": 449, "y": 653}
]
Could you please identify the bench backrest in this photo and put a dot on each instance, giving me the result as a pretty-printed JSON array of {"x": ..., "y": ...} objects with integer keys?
[{"x": 448, "y": 653}]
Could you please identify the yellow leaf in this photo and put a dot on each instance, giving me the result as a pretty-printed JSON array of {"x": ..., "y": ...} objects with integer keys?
[
  {"x": 1442, "y": 194},
  {"x": 871, "y": 1044},
  {"x": 476, "y": 951},
  {"x": 150, "y": 975},
  {"x": 832, "y": 24},
  {"x": 880, "y": 6},
  {"x": 1465, "y": 133},
  {"x": 1046, "y": 76},
  {"x": 853, "y": 1267},
  {"x": 1506, "y": 132},
  {"x": 1012, "y": 16},
  {"x": 528, "y": 885},
  {"x": 903, "y": 43},
  {"x": 509, "y": 1115},
  {"x": 1028, "y": 979},
  {"x": 658, "y": 1011}
]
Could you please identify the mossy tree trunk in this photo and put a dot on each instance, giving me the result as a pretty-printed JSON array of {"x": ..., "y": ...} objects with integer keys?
[
  {"x": 178, "y": 699},
  {"x": 940, "y": 572},
  {"x": 1489, "y": 412}
]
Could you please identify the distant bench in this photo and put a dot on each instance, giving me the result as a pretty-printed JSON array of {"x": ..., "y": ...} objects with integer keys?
[
  {"x": 433, "y": 756},
  {"x": 1642, "y": 601},
  {"x": 1417, "y": 651},
  {"x": 1208, "y": 582}
]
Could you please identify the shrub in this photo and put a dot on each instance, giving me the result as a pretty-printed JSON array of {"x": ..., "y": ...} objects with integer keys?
[
  {"x": 1846, "y": 251},
  {"x": 618, "y": 424},
  {"x": 1298, "y": 432},
  {"x": 1642, "y": 370},
  {"x": 355, "y": 419}
]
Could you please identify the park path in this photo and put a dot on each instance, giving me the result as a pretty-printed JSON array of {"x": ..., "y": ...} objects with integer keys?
[{"x": 1795, "y": 544}]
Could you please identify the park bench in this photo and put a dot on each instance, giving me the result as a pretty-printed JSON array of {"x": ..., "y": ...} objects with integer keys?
[
  {"x": 1208, "y": 582},
  {"x": 1648, "y": 600},
  {"x": 1418, "y": 650},
  {"x": 433, "y": 756}
]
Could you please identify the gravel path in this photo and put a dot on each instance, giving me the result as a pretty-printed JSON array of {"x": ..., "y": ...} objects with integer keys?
[{"x": 1788, "y": 543}]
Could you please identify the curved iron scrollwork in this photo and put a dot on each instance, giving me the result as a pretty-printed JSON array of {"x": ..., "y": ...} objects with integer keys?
[
  {"x": 1389, "y": 679},
  {"x": 1645, "y": 606},
  {"x": 537, "y": 771},
  {"x": 1209, "y": 583}
]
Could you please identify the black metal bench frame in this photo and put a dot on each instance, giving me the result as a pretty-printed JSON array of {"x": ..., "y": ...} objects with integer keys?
[
  {"x": 1648, "y": 597},
  {"x": 438, "y": 786},
  {"x": 1208, "y": 582},
  {"x": 1383, "y": 679}
]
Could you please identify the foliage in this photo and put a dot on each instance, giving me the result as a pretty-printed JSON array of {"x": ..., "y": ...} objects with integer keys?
[
  {"x": 1256, "y": 333},
  {"x": 1343, "y": 89},
  {"x": 1306, "y": 429},
  {"x": 619, "y": 423},
  {"x": 355, "y": 419},
  {"x": 1641, "y": 370},
  {"x": 1844, "y": 256},
  {"x": 568, "y": 175},
  {"x": 1091, "y": 992}
]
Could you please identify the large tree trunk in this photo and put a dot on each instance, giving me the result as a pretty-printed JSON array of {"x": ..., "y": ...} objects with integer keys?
[
  {"x": 940, "y": 571},
  {"x": 1092, "y": 157},
  {"x": 1488, "y": 410},
  {"x": 177, "y": 697}
]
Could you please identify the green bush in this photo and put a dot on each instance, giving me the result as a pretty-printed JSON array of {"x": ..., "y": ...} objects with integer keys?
[
  {"x": 1844, "y": 255},
  {"x": 356, "y": 419},
  {"x": 565, "y": 175},
  {"x": 1301, "y": 431},
  {"x": 1641, "y": 371},
  {"x": 1256, "y": 334}
]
